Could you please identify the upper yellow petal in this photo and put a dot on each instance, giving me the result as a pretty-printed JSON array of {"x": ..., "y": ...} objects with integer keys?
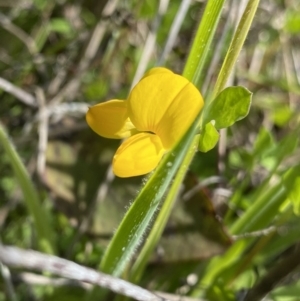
[
  {"x": 156, "y": 71},
  {"x": 110, "y": 119},
  {"x": 138, "y": 155},
  {"x": 164, "y": 103}
]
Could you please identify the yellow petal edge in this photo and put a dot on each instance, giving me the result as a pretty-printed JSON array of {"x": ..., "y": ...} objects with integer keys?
[
  {"x": 138, "y": 155},
  {"x": 110, "y": 119}
]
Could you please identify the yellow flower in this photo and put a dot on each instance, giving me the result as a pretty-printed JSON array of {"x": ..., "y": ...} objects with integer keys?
[{"x": 158, "y": 111}]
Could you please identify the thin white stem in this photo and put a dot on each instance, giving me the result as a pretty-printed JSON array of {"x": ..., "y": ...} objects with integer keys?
[
  {"x": 17, "y": 92},
  {"x": 43, "y": 133},
  {"x": 5, "y": 272},
  {"x": 14, "y": 257},
  {"x": 19, "y": 33}
]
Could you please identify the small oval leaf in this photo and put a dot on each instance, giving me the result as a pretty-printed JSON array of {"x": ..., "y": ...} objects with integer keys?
[
  {"x": 230, "y": 106},
  {"x": 208, "y": 138}
]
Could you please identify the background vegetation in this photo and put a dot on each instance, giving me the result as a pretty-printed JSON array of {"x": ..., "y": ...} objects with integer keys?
[{"x": 233, "y": 233}]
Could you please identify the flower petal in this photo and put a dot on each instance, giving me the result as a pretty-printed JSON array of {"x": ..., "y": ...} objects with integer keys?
[
  {"x": 157, "y": 70},
  {"x": 138, "y": 155},
  {"x": 110, "y": 119},
  {"x": 164, "y": 103}
]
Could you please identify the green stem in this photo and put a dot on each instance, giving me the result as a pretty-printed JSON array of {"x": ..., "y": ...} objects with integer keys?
[
  {"x": 162, "y": 219},
  {"x": 192, "y": 71},
  {"x": 43, "y": 229},
  {"x": 220, "y": 263},
  {"x": 202, "y": 42},
  {"x": 235, "y": 46}
]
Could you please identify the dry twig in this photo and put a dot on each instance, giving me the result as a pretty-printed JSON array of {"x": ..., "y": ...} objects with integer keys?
[
  {"x": 20, "y": 94},
  {"x": 14, "y": 257},
  {"x": 73, "y": 85},
  {"x": 19, "y": 33}
]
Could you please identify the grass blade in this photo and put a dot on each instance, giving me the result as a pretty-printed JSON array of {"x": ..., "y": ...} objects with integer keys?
[{"x": 43, "y": 228}]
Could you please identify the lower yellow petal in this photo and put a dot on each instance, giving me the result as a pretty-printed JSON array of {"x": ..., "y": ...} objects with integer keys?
[
  {"x": 110, "y": 119},
  {"x": 138, "y": 155}
]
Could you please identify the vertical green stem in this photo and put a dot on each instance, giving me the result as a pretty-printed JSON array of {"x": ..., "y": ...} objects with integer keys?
[
  {"x": 162, "y": 219},
  {"x": 235, "y": 46},
  {"x": 43, "y": 229},
  {"x": 203, "y": 39},
  {"x": 192, "y": 71}
]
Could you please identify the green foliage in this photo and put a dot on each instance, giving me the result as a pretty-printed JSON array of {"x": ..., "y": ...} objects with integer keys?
[
  {"x": 294, "y": 196},
  {"x": 44, "y": 230},
  {"x": 148, "y": 8},
  {"x": 230, "y": 106},
  {"x": 96, "y": 90},
  {"x": 61, "y": 26},
  {"x": 287, "y": 293},
  {"x": 41, "y": 4},
  {"x": 263, "y": 143},
  {"x": 292, "y": 21},
  {"x": 208, "y": 138}
]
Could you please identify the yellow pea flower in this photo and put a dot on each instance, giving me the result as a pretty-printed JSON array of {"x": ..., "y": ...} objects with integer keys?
[{"x": 157, "y": 113}]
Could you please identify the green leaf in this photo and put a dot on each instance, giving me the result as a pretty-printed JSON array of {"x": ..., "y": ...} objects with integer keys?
[
  {"x": 294, "y": 196},
  {"x": 290, "y": 292},
  {"x": 263, "y": 210},
  {"x": 266, "y": 206},
  {"x": 285, "y": 147},
  {"x": 292, "y": 22},
  {"x": 263, "y": 143},
  {"x": 282, "y": 115},
  {"x": 241, "y": 158},
  {"x": 45, "y": 234},
  {"x": 208, "y": 138},
  {"x": 148, "y": 9},
  {"x": 40, "y": 4},
  {"x": 96, "y": 89},
  {"x": 230, "y": 106},
  {"x": 60, "y": 25},
  {"x": 290, "y": 177}
]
